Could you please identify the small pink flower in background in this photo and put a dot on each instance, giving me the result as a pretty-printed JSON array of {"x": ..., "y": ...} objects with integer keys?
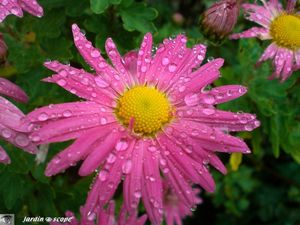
[
  {"x": 3, "y": 48},
  {"x": 280, "y": 25},
  {"x": 175, "y": 209},
  {"x": 144, "y": 117},
  {"x": 221, "y": 17},
  {"x": 104, "y": 217},
  {"x": 12, "y": 128},
  {"x": 16, "y": 8}
]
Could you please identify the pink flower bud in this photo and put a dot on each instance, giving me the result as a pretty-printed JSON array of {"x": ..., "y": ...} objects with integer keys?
[
  {"x": 221, "y": 17},
  {"x": 178, "y": 18},
  {"x": 3, "y": 48}
]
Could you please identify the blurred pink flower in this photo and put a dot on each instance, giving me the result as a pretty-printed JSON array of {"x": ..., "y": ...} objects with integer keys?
[
  {"x": 221, "y": 17},
  {"x": 143, "y": 115},
  {"x": 12, "y": 128},
  {"x": 16, "y": 8},
  {"x": 175, "y": 208},
  {"x": 282, "y": 26},
  {"x": 3, "y": 48},
  {"x": 104, "y": 217}
]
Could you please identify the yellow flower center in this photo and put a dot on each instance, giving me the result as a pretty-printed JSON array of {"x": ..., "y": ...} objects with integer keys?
[
  {"x": 285, "y": 30},
  {"x": 144, "y": 108}
]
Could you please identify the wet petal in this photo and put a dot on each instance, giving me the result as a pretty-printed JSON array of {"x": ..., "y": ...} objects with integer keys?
[
  {"x": 11, "y": 90},
  {"x": 32, "y": 7}
]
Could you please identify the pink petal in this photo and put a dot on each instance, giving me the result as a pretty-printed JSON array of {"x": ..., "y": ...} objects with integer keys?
[
  {"x": 11, "y": 90},
  {"x": 190, "y": 60},
  {"x": 259, "y": 32},
  {"x": 209, "y": 138},
  {"x": 288, "y": 65},
  {"x": 4, "y": 158},
  {"x": 93, "y": 57},
  {"x": 18, "y": 139},
  {"x": 269, "y": 53},
  {"x": 99, "y": 153},
  {"x": 132, "y": 184},
  {"x": 56, "y": 129},
  {"x": 144, "y": 58},
  {"x": 205, "y": 75},
  {"x": 223, "y": 120},
  {"x": 130, "y": 60},
  {"x": 81, "y": 83},
  {"x": 258, "y": 14},
  {"x": 290, "y": 5},
  {"x": 32, "y": 7},
  {"x": 152, "y": 188},
  {"x": 75, "y": 152},
  {"x": 10, "y": 7},
  {"x": 166, "y": 60},
  {"x": 118, "y": 62},
  {"x": 67, "y": 110},
  {"x": 186, "y": 165}
]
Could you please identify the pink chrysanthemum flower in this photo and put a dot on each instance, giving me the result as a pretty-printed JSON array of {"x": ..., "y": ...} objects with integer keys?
[
  {"x": 16, "y": 8},
  {"x": 142, "y": 116},
  {"x": 283, "y": 27},
  {"x": 12, "y": 127},
  {"x": 104, "y": 217},
  {"x": 174, "y": 208}
]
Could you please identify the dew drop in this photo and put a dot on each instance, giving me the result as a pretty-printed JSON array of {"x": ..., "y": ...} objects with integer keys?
[
  {"x": 62, "y": 82},
  {"x": 165, "y": 61},
  {"x": 172, "y": 67},
  {"x": 103, "y": 121},
  {"x": 126, "y": 168},
  {"x": 43, "y": 117},
  {"x": 6, "y": 133},
  {"x": 22, "y": 140},
  {"x": 67, "y": 113},
  {"x": 137, "y": 194},
  {"x": 152, "y": 148},
  {"x": 111, "y": 158},
  {"x": 209, "y": 99},
  {"x": 191, "y": 99},
  {"x": 121, "y": 145},
  {"x": 95, "y": 53},
  {"x": 209, "y": 111},
  {"x": 103, "y": 175}
]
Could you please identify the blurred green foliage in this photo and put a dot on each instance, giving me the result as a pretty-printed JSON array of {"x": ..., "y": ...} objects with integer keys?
[{"x": 263, "y": 189}]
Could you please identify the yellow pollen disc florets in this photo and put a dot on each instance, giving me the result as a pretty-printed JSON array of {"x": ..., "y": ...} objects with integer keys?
[
  {"x": 285, "y": 30},
  {"x": 144, "y": 108}
]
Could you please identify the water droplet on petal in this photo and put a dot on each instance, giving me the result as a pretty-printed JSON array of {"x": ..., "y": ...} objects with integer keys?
[
  {"x": 95, "y": 53},
  {"x": 121, "y": 145},
  {"x": 103, "y": 175},
  {"x": 165, "y": 61},
  {"x": 126, "y": 168},
  {"x": 22, "y": 140},
  {"x": 209, "y": 111},
  {"x": 62, "y": 82},
  {"x": 111, "y": 158},
  {"x": 209, "y": 99},
  {"x": 191, "y": 99},
  {"x": 6, "y": 133},
  {"x": 137, "y": 194},
  {"x": 152, "y": 148},
  {"x": 67, "y": 113},
  {"x": 43, "y": 117},
  {"x": 103, "y": 121}
]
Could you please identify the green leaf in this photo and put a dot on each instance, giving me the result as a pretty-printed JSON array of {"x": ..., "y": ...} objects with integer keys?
[
  {"x": 138, "y": 17},
  {"x": 99, "y": 6}
]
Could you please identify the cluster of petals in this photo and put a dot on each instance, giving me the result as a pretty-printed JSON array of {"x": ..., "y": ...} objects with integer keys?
[
  {"x": 179, "y": 154},
  {"x": 16, "y": 7},
  {"x": 175, "y": 210},
  {"x": 285, "y": 60},
  {"x": 104, "y": 217},
  {"x": 12, "y": 126}
]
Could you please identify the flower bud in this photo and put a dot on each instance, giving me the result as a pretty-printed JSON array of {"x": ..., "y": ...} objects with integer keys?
[
  {"x": 221, "y": 17},
  {"x": 3, "y": 48}
]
